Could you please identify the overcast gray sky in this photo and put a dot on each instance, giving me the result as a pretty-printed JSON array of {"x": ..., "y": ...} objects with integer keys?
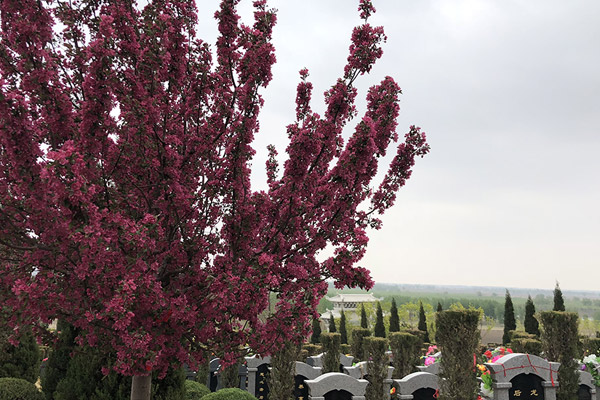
[{"x": 509, "y": 95}]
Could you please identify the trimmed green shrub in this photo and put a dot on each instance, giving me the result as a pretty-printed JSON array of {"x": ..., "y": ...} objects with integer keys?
[
  {"x": 526, "y": 345},
  {"x": 331, "y": 347},
  {"x": 358, "y": 335},
  {"x": 18, "y": 389},
  {"x": 520, "y": 335},
  {"x": 591, "y": 346},
  {"x": 559, "y": 342},
  {"x": 203, "y": 369},
  {"x": 58, "y": 360},
  {"x": 229, "y": 394},
  {"x": 394, "y": 318},
  {"x": 406, "y": 349},
  {"x": 309, "y": 350},
  {"x": 22, "y": 361},
  {"x": 375, "y": 348},
  {"x": 195, "y": 390},
  {"x": 345, "y": 349},
  {"x": 230, "y": 377},
  {"x": 458, "y": 338},
  {"x": 379, "y": 330},
  {"x": 281, "y": 379},
  {"x": 171, "y": 387}
]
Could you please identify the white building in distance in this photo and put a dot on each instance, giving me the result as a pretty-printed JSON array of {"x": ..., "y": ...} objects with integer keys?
[{"x": 350, "y": 303}]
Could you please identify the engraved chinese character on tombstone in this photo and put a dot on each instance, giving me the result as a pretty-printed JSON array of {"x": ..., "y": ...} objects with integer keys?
[{"x": 526, "y": 386}]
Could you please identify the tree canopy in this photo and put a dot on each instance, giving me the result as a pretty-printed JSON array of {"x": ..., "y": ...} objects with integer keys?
[{"x": 126, "y": 205}]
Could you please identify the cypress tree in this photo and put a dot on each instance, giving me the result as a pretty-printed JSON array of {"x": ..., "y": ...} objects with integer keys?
[
  {"x": 316, "y": 331},
  {"x": 364, "y": 323},
  {"x": 332, "y": 328},
  {"x": 559, "y": 302},
  {"x": 379, "y": 326},
  {"x": 394, "y": 319},
  {"x": 510, "y": 324},
  {"x": 423, "y": 322},
  {"x": 439, "y": 307},
  {"x": 343, "y": 331},
  {"x": 531, "y": 323},
  {"x": 58, "y": 361}
]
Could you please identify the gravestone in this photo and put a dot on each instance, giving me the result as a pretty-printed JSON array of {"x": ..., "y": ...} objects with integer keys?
[
  {"x": 418, "y": 386},
  {"x": 336, "y": 386},
  {"x": 303, "y": 373},
  {"x": 214, "y": 383},
  {"x": 587, "y": 388},
  {"x": 523, "y": 376},
  {"x": 258, "y": 374}
]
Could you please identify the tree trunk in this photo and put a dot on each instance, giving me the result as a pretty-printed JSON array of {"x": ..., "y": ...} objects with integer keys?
[{"x": 140, "y": 387}]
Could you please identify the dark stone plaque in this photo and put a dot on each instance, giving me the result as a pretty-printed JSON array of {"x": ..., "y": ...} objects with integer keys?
[
  {"x": 262, "y": 388},
  {"x": 526, "y": 387},
  {"x": 338, "y": 395},
  {"x": 300, "y": 388},
  {"x": 425, "y": 394},
  {"x": 584, "y": 393}
]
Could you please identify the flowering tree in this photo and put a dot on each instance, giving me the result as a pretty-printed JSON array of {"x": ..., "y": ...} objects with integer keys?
[{"x": 126, "y": 206}]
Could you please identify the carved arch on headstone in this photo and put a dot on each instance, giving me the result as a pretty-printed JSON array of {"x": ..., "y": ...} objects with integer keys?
[
  {"x": 331, "y": 381},
  {"x": 415, "y": 381},
  {"x": 511, "y": 365}
]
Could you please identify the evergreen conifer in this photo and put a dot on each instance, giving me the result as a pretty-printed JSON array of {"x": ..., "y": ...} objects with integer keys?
[
  {"x": 379, "y": 326},
  {"x": 343, "y": 331},
  {"x": 510, "y": 323},
  {"x": 559, "y": 302},
  {"x": 332, "y": 328},
  {"x": 58, "y": 361},
  {"x": 316, "y": 331},
  {"x": 394, "y": 319},
  {"x": 531, "y": 323},
  {"x": 423, "y": 322},
  {"x": 364, "y": 322}
]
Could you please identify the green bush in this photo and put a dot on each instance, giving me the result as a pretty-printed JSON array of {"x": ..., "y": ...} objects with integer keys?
[
  {"x": 345, "y": 349},
  {"x": 591, "y": 346},
  {"x": 377, "y": 367},
  {"x": 18, "y": 389},
  {"x": 526, "y": 345},
  {"x": 229, "y": 394},
  {"x": 22, "y": 361},
  {"x": 195, "y": 390},
  {"x": 406, "y": 349},
  {"x": 560, "y": 341},
  {"x": 358, "y": 335},
  {"x": 458, "y": 337},
  {"x": 331, "y": 347},
  {"x": 58, "y": 360}
]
